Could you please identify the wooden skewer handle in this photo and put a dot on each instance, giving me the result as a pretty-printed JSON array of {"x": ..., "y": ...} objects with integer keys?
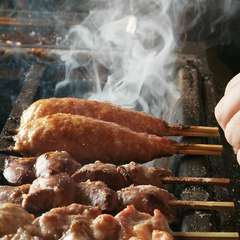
[
  {"x": 203, "y": 205},
  {"x": 193, "y": 131},
  {"x": 196, "y": 180},
  {"x": 199, "y": 149},
  {"x": 206, "y": 235}
]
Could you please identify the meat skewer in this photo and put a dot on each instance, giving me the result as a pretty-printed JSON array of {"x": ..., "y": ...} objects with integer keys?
[
  {"x": 80, "y": 137},
  {"x": 136, "y": 121},
  {"x": 79, "y": 220},
  {"x": 18, "y": 170},
  {"x": 62, "y": 190}
]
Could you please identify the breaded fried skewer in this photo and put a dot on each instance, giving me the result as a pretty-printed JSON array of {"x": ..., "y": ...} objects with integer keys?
[
  {"x": 88, "y": 139},
  {"x": 136, "y": 121}
]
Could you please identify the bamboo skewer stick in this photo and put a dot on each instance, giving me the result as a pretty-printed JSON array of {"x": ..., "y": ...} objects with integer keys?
[
  {"x": 203, "y": 205},
  {"x": 187, "y": 149},
  {"x": 194, "y": 131},
  {"x": 199, "y": 149},
  {"x": 196, "y": 181},
  {"x": 206, "y": 235}
]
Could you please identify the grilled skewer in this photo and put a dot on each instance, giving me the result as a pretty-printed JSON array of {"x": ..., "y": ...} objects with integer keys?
[
  {"x": 136, "y": 121},
  {"x": 19, "y": 171},
  {"x": 80, "y": 136},
  {"x": 62, "y": 190},
  {"x": 118, "y": 227}
]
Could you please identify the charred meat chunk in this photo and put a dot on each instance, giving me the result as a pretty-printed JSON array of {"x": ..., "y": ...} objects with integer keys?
[
  {"x": 147, "y": 198},
  {"x": 138, "y": 174},
  {"x": 105, "y": 172},
  {"x": 97, "y": 194},
  {"x": 55, "y": 162},
  {"x": 19, "y": 170},
  {"x": 50, "y": 192},
  {"x": 13, "y": 194}
]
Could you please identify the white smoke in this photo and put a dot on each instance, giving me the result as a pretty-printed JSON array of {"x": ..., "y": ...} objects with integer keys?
[{"x": 135, "y": 40}]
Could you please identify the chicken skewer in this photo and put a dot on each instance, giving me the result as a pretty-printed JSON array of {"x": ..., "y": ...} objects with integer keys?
[
  {"x": 62, "y": 190},
  {"x": 136, "y": 121},
  {"x": 19, "y": 171},
  {"x": 80, "y": 136},
  {"x": 126, "y": 224}
]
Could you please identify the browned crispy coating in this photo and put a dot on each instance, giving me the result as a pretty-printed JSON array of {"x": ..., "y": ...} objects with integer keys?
[
  {"x": 105, "y": 172},
  {"x": 49, "y": 192},
  {"x": 12, "y": 194},
  {"x": 97, "y": 194},
  {"x": 88, "y": 139},
  {"x": 142, "y": 226},
  {"x": 137, "y": 121},
  {"x": 12, "y": 217},
  {"x": 55, "y": 162},
  {"x": 19, "y": 170},
  {"x": 147, "y": 198}
]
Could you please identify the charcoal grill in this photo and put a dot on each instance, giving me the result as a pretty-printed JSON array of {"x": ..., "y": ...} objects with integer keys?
[{"x": 38, "y": 68}]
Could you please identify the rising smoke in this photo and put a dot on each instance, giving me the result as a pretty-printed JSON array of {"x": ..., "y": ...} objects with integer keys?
[{"x": 135, "y": 40}]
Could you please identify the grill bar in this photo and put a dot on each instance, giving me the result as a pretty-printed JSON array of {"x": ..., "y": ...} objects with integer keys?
[
  {"x": 38, "y": 69},
  {"x": 24, "y": 99}
]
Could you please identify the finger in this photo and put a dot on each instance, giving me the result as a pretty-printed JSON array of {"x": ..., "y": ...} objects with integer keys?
[
  {"x": 228, "y": 106},
  {"x": 219, "y": 111},
  {"x": 232, "y": 131},
  {"x": 235, "y": 150},
  {"x": 238, "y": 157},
  {"x": 233, "y": 83}
]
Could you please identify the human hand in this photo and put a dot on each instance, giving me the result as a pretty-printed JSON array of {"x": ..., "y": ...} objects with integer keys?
[{"x": 227, "y": 113}]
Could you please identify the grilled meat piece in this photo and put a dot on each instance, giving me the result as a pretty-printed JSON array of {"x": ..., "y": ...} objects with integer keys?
[
  {"x": 142, "y": 226},
  {"x": 50, "y": 192},
  {"x": 84, "y": 222},
  {"x": 105, "y": 172},
  {"x": 87, "y": 139},
  {"x": 10, "y": 194},
  {"x": 12, "y": 217},
  {"x": 118, "y": 177},
  {"x": 55, "y": 162},
  {"x": 19, "y": 170},
  {"x": 137, "y": 121},
  {"x": 55, "y": 223},
  {"x": 97, "y": 194},
  {"x": 25, "y": 170},
  {"x": 147, "y": 198},
  {"x": 138, "y": 174},
  {"x": 60, "y": 190},
  {"x": 27, "y": 232},
  {"x": 104, "y": 227}
]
